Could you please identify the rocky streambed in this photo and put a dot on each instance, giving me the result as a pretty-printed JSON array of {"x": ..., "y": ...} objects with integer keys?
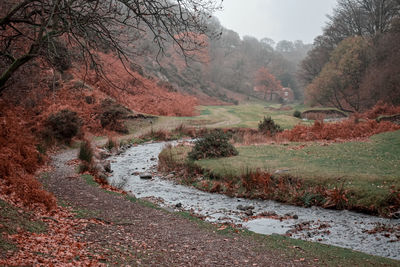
[{"x": 135, "y": 171}]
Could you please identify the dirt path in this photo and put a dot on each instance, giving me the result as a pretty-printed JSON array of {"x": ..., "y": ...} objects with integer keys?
[
  {"x": 228, "y": 119},
  {"x": 134, "y": 234}
]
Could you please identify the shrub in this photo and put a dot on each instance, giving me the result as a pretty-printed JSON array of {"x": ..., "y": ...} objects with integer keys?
[
  {"x": 268, "y": 126},
  {"x": 63, "y": 125},
  {"x": 213, "y": 145},
  {"x": 166, "y": 160},
  {"x": 86, "y": 152},
  {"x": 111, "y": 143},
  {"x": 297, "y": 114},
  {"x": 90, "y": 99},
  {"x": 112, "y": 114},
  {"x": 380, "y": 109},
  {"x": 156, "y": 135},
  {"x": 182, "y": 130}
]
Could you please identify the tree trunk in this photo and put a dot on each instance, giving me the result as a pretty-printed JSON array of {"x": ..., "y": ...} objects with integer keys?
[{"x": 13, "y": 68}]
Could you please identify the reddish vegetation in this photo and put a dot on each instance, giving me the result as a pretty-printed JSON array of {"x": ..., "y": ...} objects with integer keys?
[
  {"x": 139, "y": 93},
  {"x": 131, "y": 90},
  {"x": 267, "y": 84},
  {"x": 19, "y": 160},
  {"x": 345, "y": 130},
  {"x": 381, "y": 109},
  {"x": 360, "y": 126},
  {"x": 22, "y": 124}
]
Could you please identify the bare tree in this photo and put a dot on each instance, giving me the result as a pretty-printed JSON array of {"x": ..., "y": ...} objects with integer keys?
[
  {"x": 367, "y": 18},
  {"x": 362, "y": 18},
  {"x": 33, "y": 28}
]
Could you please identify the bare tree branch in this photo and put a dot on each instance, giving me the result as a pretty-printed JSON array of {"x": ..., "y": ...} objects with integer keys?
[{"x": 31, "y": 28}]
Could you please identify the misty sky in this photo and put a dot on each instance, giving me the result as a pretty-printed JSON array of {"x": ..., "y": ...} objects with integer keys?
[{"x": 277, "y": 19}]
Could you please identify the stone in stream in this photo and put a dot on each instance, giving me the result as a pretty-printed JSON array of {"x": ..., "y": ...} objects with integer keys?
[
  {"x": 249, "y": 212},
  {"x": 293, "y": 216},
  {"x": 169, "y": 176},
  {"x": 396, "y": 215},
  {"x": 107, "y": 166},
  {"x": 99, "y": 167},
  {"x": 114, "y": 151},
  {"x": 178, "y": 205},
  {"x": 244, "y": 208},
  {"x": 146, "y": 176}
]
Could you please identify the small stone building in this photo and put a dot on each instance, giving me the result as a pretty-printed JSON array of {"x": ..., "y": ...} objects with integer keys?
[
  {"x": 287, "y": 95},
  {"x": 283, "y": 95}
]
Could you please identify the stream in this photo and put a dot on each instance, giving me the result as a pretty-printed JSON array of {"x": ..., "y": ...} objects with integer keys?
[{"x": 339, "y": 228}]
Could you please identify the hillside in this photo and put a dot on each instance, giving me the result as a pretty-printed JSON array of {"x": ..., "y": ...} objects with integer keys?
[
  {"x": 26, "y": 107},
  {"x": 225, "y": 66}
]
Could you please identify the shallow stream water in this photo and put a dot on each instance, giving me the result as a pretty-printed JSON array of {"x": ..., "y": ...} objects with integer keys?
[{"x": 340, "y": 228}]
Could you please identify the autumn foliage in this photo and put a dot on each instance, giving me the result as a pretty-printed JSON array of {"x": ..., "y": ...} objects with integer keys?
[
  {"x": 345, "y": 130},
  {"x": 33, "y": 109},
  {"x": 57, "y": 246},
  {"x": 358, "y": 126},
  {"x": 19, "y": 159},
  {"x": 267, "y": 83},
  {"x": 338, "y": 84},
  {"x": 137, "y": 92},
  {"x": 355, "y": 62},
  {"x": 381, "y": 109}
]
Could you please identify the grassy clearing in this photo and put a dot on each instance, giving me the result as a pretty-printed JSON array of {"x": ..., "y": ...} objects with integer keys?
[
  {"x": 11, "y": 220},
  {"x": 246, "y": 115},
  {"x": 139, "y": 126},
  {"x": 243, "y": 115},
  {"x": 320, "y": 162}
]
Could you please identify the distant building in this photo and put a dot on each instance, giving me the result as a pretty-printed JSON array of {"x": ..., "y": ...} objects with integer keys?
[
  {"x": 287, "y": 95},
  {"x": 284, "y": 95}
]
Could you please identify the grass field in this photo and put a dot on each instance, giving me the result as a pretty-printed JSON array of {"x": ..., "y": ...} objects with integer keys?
[
  {"x": 377, "y": 159},
  {"x": 243, "y": 115}
]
